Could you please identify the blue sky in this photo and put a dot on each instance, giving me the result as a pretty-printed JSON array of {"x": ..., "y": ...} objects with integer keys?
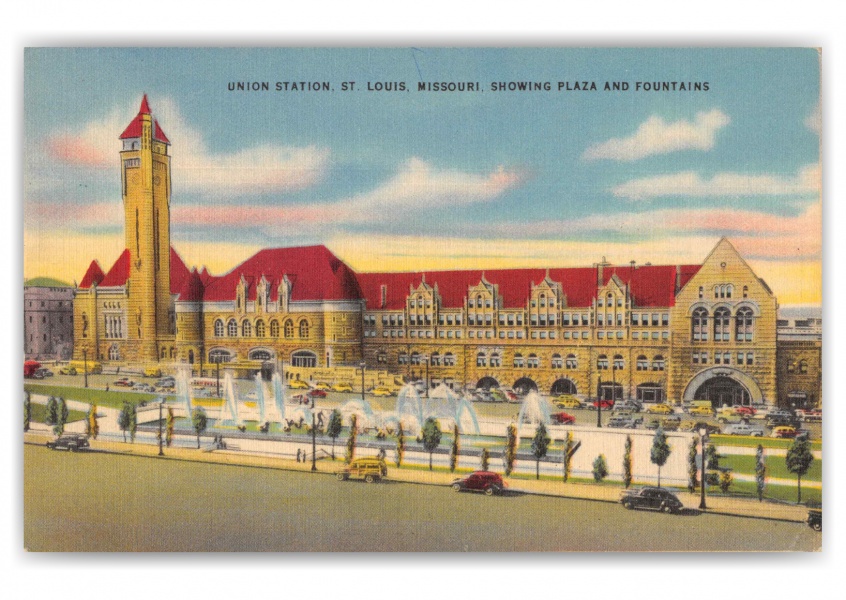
[{"x": 411, "y": 180}]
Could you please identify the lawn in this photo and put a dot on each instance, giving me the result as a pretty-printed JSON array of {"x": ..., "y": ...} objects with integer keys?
[
  {"x": 114, "y": 399},
  {"x": 786, "y": 493},
  {"x": 39, "y": 414},
  {"x": 749, "y": 442},
  {"x": 775, "y": 467}
]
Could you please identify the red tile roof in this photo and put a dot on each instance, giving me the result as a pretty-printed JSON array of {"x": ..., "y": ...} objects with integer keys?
[
  {"x": 314, "y": 272},
  {"x": 119, "y": 272},
  {"x": 93, "y": 275},
  {"x": 133, "y": 130}
]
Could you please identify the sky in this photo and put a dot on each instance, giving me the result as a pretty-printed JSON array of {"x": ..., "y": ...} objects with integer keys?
[{"x": 413, "y": 180}]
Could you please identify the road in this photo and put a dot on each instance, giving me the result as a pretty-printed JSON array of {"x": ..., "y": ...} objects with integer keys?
[{"x": 124, "y": 503}]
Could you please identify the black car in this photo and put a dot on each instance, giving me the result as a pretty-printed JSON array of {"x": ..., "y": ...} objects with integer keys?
[
  {"x": 69, "y": 441},
  {"x": 652, "y": 498},
  {"x": 815, "y": 519}
]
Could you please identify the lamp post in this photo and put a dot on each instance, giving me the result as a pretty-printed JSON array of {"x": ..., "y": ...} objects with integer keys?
[
  {"x": 703, "y": 433},
  {"x": 217, "y": 364},
  {"x": 161, "y": 401},
  {"x": 613, "y": 381},
  {"x": 85, "y": 365},
  {"x": 599, "y": 402},
  {"x": 426, "y": 358},
  {"x": 363, "y": 366},
  {"x": 313, "y": 438}
]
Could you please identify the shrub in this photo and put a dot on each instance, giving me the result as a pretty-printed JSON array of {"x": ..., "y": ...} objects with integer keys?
[
  {"x": 600, "y": 468},
  {"x": 627, "y": 462},
  {"x": 485, "y": 459}
]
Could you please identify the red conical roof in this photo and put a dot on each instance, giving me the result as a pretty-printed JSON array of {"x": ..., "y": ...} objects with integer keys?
[
  {"x": 93, "y": 276},
  {"x": 133, "y": 130},
  {"x": 145, "y": 106}
]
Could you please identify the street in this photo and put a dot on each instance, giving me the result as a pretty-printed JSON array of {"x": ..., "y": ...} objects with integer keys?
[{"x": 124, "y": 503}]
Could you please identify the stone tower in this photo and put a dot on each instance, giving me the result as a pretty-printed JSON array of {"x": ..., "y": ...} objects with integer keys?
[{"x": 146, "y": 187}]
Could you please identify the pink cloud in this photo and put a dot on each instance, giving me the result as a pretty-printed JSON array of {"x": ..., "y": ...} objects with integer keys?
[{"x": 76, "y": 150}]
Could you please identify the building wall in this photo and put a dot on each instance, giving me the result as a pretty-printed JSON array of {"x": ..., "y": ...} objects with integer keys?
[
  {"x": 800, "y": 373},
  {"x": 48, "y": 323}
]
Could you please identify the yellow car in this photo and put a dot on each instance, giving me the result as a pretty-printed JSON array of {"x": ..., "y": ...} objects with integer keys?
[
  {"x": 660, "y": 409},
  {"x": 382, "y": 391},
  {"x": 321, "y": 385},
  {"x": 702, "y": 410},
  {"x": 298, "y": 384},
  {"x": 342, "y": 387},
  {"x": 152, "y": 372},
  {"x": 568, "y": 402}
]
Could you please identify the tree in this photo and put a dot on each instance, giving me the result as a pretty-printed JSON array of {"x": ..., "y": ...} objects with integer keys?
[
  {"x": 510, "y": 448},
  {"x": 124, "y": 418},
  {"x": 540, "y": 445},
  {"x": 27, "y": 411},
  {"x": 485, "y": 460},
  {"x": 568, "y": 454},
  {"x": 52, "y": 414},
  {"x": 660, "y": 451},
  {"x": 199, "y": 421},
  {"x": 333, "y": 428},
  {"x": 455, "y": 449},
  {"x": 169, "y": 427},
  {"x": 431, "y": 437},
  {"x": 692, "y": 469},
  {"x": 725, "y": 481},
  {"x": 400, "y": 444},
  {"x": 92, "y": 427},
  {"x": 62, "y": 411},
  {"x": 600, "y": 468},
  {"x": 712, "y": 462},
  {"x": 760, "y": 472},
  {"x": 627, "y": 462},
  {"x": 133, "y": 423},
  {"x": 350, "y": 453},
  {"x": 798, "y": 460}
]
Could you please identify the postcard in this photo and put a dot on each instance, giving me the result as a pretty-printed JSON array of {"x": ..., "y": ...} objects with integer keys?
[{"x": 422, "y": 299}]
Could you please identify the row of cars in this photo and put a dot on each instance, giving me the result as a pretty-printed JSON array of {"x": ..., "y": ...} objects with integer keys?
[
  {"x": 373, "y": 469},
  {"x": 322, "y": 386}
]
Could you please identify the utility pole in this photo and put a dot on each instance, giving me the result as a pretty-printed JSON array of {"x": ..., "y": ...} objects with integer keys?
[
  {"x": 599, "y": 402},
  {"x": 85, "y": 364},
  {"x": 161, "y": 401}
]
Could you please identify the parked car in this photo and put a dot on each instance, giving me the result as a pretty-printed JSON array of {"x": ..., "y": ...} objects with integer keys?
[
  {"x": 627, "y": 414},
  {"x": 782, "y": 421},
  {"x": 124, "y": 382},
  {"x": 298, "y": 384},
  {"x": 695, "y": 426},
  {"x": 480, "y": 481},
  {"x": 322, "y": 385},
  {"x": 69, "y": 441},
  {"x": 382, "y": 391},
  {"x": 651, "y": 498},
  {"x": 67, "y": 371},
  {"x": 342, "y": 387},
  {"x": 567, "y": 401},
  {"x": 562, "y": 418},
  {"x": 668, "y": 423},
  {"x": 743, "y": 429},
  {"x": 744, "y": 411},
  {"x": 43, "y": 372},
  {"x": 702, "y": 411},
  {"x": 143, "y": 387},
  {"x": 317, "y": 393},
  {"x": 369, "y": 468},
  {"x": 660, "y": 409},
  {"x": 152, "y": 372},
  {"x": 789, "y": 432},
  {"x": 810, "y": 416},
  {"x": 604, "y": 404},
  {"x": 301, "y": 399},
  {"x": 815, "y": 519},
  {"x": 166, "y": 382},
  {"x": 621, "y": 423},
  {"x": 481, "y": 395},
  {"x": 628, "y": 405}
]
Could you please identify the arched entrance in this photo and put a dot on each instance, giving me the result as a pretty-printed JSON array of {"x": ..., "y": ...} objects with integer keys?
[
  {"x": 563, "y": 386},
  {"x": 722, "y": 385},
  {"x": 610, "y": 391},
  {"x": 486, "y": 383},
  {"x": 523, "y": 386}
]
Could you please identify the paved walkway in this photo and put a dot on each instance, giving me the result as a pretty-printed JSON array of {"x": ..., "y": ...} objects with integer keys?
[{"x": 741, "y": 507}]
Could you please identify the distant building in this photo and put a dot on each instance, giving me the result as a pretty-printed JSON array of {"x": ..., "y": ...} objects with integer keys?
[
  {"x": 48, "y": 319},
  {"x": 799, "y": 356}
]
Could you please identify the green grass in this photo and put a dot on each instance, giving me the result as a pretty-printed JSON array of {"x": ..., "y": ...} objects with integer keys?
[
  {"x": 775, "y": 467},
  {"x": 786, "y": 493},
  {"x": 39, "y": 414},
  {"x": 747, "y": 442},
  {"x": 112, "y": 399}
]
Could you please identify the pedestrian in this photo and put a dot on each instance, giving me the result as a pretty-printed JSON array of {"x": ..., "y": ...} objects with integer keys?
[{"x": 298, "y": 455}]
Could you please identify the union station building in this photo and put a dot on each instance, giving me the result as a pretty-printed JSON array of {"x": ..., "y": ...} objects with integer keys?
[{"x": 668, "y": 333}]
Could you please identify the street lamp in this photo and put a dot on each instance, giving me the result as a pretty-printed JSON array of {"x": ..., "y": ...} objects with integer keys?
[
  {"x": 426, "y": 358},
  {"x": 599, "y": 402},
  {"x": 313, "y": 438},
  {"x": 85, "y": 365},
  {"x": 363, "y": 366},
  {"x": 161, "y": 401},
  {"x": 703, "y": 434}
]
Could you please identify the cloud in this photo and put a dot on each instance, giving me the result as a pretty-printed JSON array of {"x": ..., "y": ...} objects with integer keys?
[
  {"x": 691, "y": 184},
  {"x": 417, "y": 185},
  {"x": 657, "y": 136},
  {"x": 264, "y": 168},
  {"x": 814, "y": 120}
]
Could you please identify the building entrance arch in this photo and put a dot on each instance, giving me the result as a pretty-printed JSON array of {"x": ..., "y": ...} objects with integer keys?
[
  {"x": 487, "y": 383},
  {"x": 724, "y": 386},
  {"x": 563, "y": 386},
  {"x": 524, "y": 385}
]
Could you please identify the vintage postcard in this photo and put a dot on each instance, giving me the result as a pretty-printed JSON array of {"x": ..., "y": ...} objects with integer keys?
[{"x": 422, "y": 299}]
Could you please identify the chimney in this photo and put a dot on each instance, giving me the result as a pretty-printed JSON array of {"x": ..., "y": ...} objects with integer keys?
[
  {"x": 678, "y": 278},
  {"x": 384, "y": 296}
]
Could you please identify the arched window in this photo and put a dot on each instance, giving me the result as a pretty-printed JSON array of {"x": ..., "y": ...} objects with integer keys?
[
  {"x": 218, "y": 328},
  {"x": 791, "y": 367},
  {"x": 572, "y": 362},
  {"x": 658, "y": 363},
  {"x": 722, "y": 322},
  {"x": 402, "y": 358},
  {"x": 478, "y": 301},
  {"x": 232, "y": 328},
  {"x": 219, "y": 355},
  {"x": 803, "y": 366},
  {"x": 260, "y": 332},
  {"x": 274, "y": 328},
  {"x": 543, "y": 300},
  {"x": 481, "y": 360},
  {"x": 602, "y": 362},
  {"x": 619, "y": 364},
  {"x": 642, "y": 363},
  {"x": 114, "y": 352},
  {"x": 304, "y": 358},
  {"x": 496, "y": 361},
  {"x": 303, "y": 328},
  {"x": 743, "y": 325},
  {"x": 435, "y": 359},
  {"x": 699, "y": 326},
  {"x": 518, "y": 360},
  {"x": 533, "y": 362},
  {"x": 449, "y": 359},
  {"x": 729, "y": 290},
  {"x": 382, "y": 357},
  {"x": 246, "y": 329},
  {"x": 415, "y": 358},
  {"x": 557, "y": 361},
  {"x": 260, "y": 354},
  {"x": 289, "y": 328}
]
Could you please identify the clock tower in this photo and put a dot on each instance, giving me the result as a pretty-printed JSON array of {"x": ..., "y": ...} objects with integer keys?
[{"x": 145, "y": 178}]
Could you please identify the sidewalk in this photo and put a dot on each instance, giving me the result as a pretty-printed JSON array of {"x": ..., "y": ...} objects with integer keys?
[{"x": 740, "y": 507}]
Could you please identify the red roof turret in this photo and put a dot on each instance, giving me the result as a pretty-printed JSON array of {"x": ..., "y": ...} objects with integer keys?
[
  {"x": 133, "y": 130},
  {"x": 145, "y": 106},
  {"x": 93, "y": 276}
]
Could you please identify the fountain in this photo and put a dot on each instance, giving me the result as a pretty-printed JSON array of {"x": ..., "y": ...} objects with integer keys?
[
  {"x": 183, "y": 389},
  {"x": 533, "y": 411},
  {"x": 260, "y": 398},
  {"x": 363, "y": 412},
  {"x": 229, "y": 410},
  {"x": 279, "y": 397},
  {"x": 410, "y": 408},
  {"x": 443, "y": 403}
]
